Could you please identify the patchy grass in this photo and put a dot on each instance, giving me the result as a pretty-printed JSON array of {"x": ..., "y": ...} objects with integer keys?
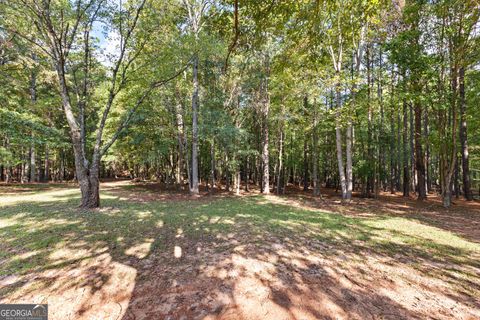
[{"x": 51, "y": 251}]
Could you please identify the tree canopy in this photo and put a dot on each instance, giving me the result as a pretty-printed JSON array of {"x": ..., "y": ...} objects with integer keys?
[{"x": 363, "y": 96}]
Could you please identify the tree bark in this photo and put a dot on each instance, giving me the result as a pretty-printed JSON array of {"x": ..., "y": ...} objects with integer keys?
[
  {"x": 247, "y": 174},
  {"x": 26, "y": 166},
  {"x": 88, "y": 180},
  {"x": 419, "y": 154},
  {"x": 316, "y": 185},
  {"x": 46, "y": 175},
  {"x": 467, "y": 190},
  {"x": 406, "y": 173},
  {"x": 413, "y": 175},
  {"x": 280, "y": 159},
  {"x": 33, "y": 169},
  {"x": 33, "y": 100},
  {"x": 195, "y": 105},
  {"x": 338, "y": 141},
  {"x": 393, "y": 149},
  {"x": 305, "y": 149},
  {"x": 265, "y": 111},
  {"x": 212, "y": 167}
]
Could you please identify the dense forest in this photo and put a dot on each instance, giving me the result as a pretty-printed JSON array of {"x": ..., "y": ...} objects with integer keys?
[{"x": 363, "y": 96}]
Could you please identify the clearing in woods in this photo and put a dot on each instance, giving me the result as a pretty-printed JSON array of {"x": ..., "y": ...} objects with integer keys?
[{"x": 151, "y": 253}]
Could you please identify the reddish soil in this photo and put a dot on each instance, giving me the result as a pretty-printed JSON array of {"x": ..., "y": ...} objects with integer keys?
[{"x": 275, "y": 277}]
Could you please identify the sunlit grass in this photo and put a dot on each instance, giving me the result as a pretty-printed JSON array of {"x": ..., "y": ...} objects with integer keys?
[{"x": 402, "y": 230}]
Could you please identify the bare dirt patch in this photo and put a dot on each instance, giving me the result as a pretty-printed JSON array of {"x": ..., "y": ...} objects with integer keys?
[{"x": 307, "y": 267}]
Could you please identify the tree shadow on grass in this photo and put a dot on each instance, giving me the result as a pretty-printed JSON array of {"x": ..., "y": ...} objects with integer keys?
[{"x": 231, "y": 258}]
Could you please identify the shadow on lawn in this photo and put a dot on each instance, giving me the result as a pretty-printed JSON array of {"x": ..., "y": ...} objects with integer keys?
[
  {"x": 462, "y": 218},
  {"x": 226, "y": 258}
]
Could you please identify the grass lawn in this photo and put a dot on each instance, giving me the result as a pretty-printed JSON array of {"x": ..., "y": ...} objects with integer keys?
[{"x": 224, "y": 257}]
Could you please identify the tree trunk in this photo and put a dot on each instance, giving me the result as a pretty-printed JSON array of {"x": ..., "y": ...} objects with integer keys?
[
  {"x": 381, "y": 150},
  {"x": 338, "y": 141},
  {"x": 280, "y": 161},
  {"x": 33, "y": 99},
  {"x": 406, "y": 173},
  {"x": 370, "y": 160},
  {"x": 467, "y": 190},
  {"x": 413, "y": 172},
  {"x": 428, "y": 172},
  {"x": 247, "y": 174},
  {"x": 316, "y": 185},
  {"x": 26, "y": 167},
  {"x": 238, "y": 180},
  {"x": 305, "y": 149},
  {"x": 46, "y": 175},
  {"x": 349, "y": 170},
  {"x": 399, "y": 152},
  {"x": 89, "y": 187},
  {"x": 33, "y": 169},
  {"x": 212, "y": 169},
  {"x": 265, "y": 154},
  {"x": 195, "y": 105},
  {"x": 455, "y": 179},
  {"x": 419, "y": 155},
  {"x": 392, "y": 149}
]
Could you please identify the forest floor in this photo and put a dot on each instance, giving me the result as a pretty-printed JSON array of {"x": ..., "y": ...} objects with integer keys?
[{"x": 151, "y": 253}]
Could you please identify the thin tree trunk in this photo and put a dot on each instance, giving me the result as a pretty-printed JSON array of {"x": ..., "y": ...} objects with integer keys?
[
  {"x": 238, "y": 179},
  {"x": 316, "y": 185},
  {"x": 370, "y": 160},
  {"x": 195, "y": 105},
  {"x": 406, "y": 173},
  {"x": 413, "y": 180},
  {"x": 280, "y": 161},
  {"x": 265, "y": 154},
  {"x": 305, "y": 149},
  {"x": 393, "y": 149},
  {"x": 456, "y": 178},
  {"x": 399, "y": 151},
  {"x": 467, "y": 190},
  {"x": 33, "y": 169},
  {"x": 381, "y": 150},
  {"x": 33, "y": 99},
  {"x": 46, "y": 175},
  {"x": 338, "y": 141},
  {"x": 247, "y": 174},
  {"x": 419, "y": 154},
  {"x": 428, "y": 172},
  {"x": 349, "y": 170},
  {"x": 26, "y": 166},
  {"x": 212, "y": 169}
]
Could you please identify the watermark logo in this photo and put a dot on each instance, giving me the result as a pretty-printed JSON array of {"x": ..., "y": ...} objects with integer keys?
[{"x": 23, "y": 312}]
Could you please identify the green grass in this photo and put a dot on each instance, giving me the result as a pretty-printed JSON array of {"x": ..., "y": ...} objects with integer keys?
[{"x": 43, "y": 230}]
